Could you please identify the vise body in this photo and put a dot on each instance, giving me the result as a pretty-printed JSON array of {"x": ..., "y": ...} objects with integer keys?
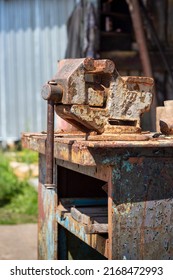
[{"x": 92, "y": 96}]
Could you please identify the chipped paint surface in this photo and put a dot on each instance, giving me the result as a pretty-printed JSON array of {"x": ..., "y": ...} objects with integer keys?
[
  {"x": 142, "y": 209},
  {"x": 127, "y": 166},
  {"x": 47, "y": 226},
  {"x": 92, "y": 153}
]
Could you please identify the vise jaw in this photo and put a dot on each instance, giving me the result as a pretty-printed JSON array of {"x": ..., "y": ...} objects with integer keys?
[{"x": 91, "y": 95}]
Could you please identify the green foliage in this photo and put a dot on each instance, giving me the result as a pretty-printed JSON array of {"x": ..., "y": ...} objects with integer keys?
[
  {"x": 27, "y": 156},
  {"x": 18, "y": 200},
  {"x": 9, "y": 184},
  {"x": 21, "y": 209}
]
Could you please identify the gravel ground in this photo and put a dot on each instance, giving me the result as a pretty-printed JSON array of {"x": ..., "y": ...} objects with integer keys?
[{"x": 18, "y": 242}]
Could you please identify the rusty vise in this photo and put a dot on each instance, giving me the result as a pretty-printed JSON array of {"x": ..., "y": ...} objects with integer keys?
[{"x": 92, "y": 96}]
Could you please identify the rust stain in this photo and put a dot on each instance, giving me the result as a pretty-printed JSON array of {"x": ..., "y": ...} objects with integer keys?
[
  {"x": 41, "y": 207},
  {"x": 142, "y": 229},
  {"x": 124, "y": 209},
  {"x": 136, "y": 160}
]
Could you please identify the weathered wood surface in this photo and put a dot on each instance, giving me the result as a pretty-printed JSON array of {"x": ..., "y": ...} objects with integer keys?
[
  {"x": 96, "y": 228},
  {"x": 90, "y": 215},
  {"x": 94, "y": 240}
]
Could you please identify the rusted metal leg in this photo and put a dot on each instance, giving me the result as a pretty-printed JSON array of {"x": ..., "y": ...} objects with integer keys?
[{"x": 47, "y": 225}]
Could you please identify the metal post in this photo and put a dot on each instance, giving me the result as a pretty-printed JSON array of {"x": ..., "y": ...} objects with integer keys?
[
  {"x": 135, "y": 12},
  {"x": 140, "y": 36},
  {"x": 50, "y": 143},
  {"x": 53, "y": 94}
]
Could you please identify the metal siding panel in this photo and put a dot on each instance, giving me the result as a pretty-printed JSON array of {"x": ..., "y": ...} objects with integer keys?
[
  {"x": 32, "y": 39},
  {"x": 3, "y": 125}
]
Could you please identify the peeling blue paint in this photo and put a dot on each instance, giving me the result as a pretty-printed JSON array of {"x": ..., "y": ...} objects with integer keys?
[
  {"x": 127, "y": 166},
  {"x": 50, "y": 239},
  {"x": 66, "y": 223},
  {"x": 111, "y": 160},
  {"x": 48, "y": 222},
  {"x": 116, "y": 174}
]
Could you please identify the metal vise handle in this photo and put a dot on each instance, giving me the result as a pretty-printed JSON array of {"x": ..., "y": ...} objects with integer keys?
[{"x": 53, "y": 94}]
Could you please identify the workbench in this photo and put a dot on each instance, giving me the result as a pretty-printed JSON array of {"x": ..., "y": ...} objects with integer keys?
[{"x": 110, "y": 200}]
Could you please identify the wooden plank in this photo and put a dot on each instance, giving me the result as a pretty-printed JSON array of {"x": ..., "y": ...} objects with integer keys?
[
  {"x": 96, "y": 228},
  {"x": 79, "y": 217},
  {"x": 61, "y": 210},
  {"x": 89, "y": 215},
  {"x": 96, "y": 241},
  {"x": 84, "y": 215}
]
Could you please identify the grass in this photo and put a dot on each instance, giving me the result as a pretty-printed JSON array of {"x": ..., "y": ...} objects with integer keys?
[
  {"x": 18, "y": 199},
  {"x": 21, "y": 209}
]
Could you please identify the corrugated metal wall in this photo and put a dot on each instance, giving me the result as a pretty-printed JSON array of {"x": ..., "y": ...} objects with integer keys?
[{"x": 32, "y": 38}]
